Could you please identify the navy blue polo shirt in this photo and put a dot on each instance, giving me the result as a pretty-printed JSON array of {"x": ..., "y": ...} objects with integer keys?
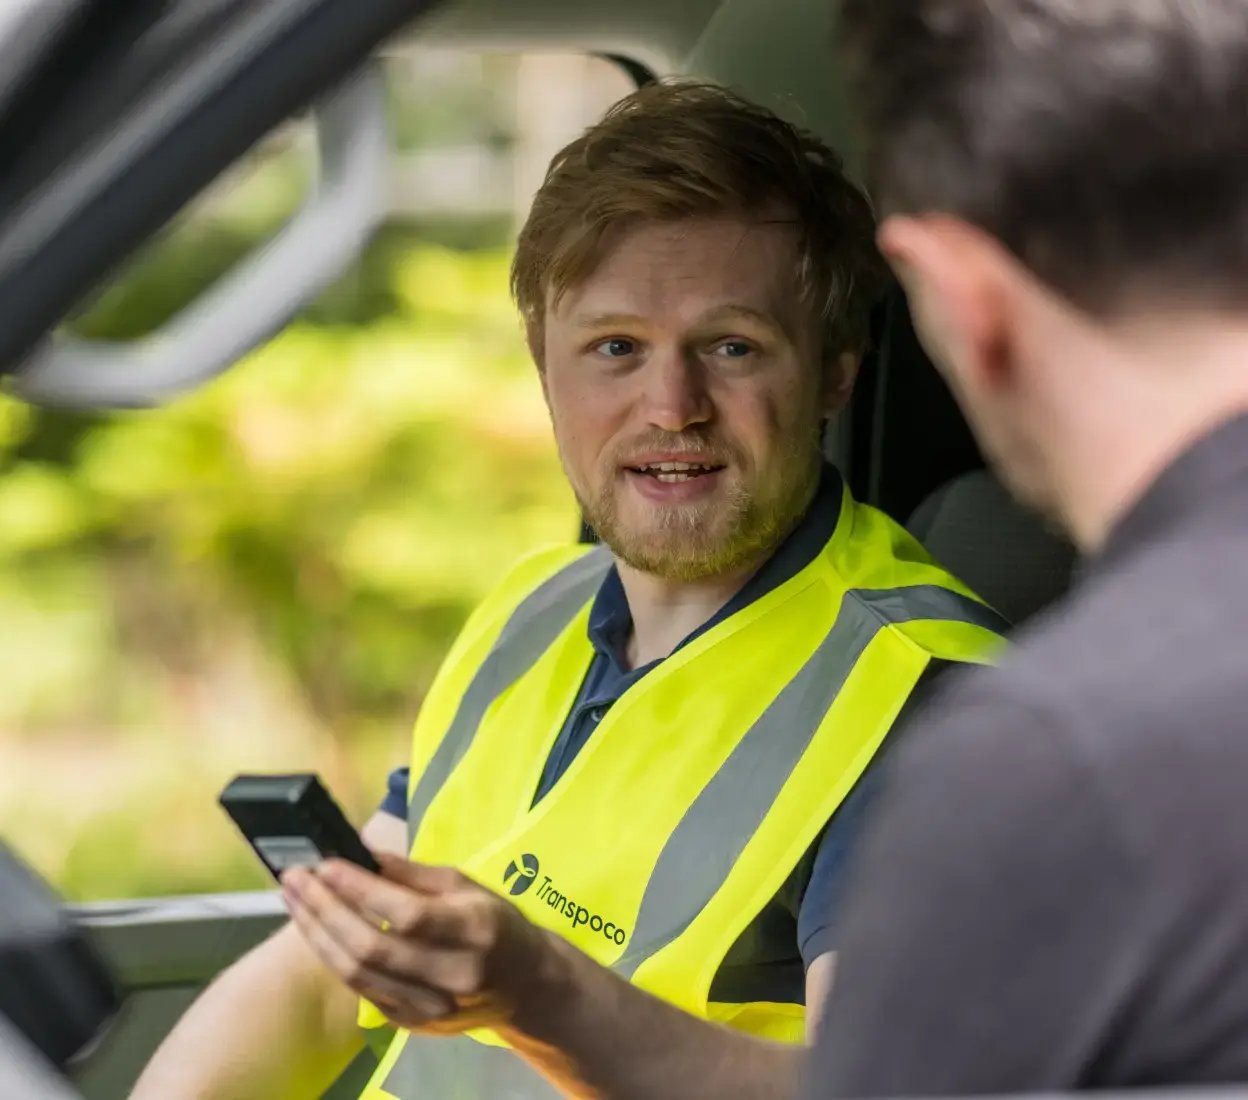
[{"x": 799, "y": 920}]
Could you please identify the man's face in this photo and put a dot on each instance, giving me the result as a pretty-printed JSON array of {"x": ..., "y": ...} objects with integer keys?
[{"x": 687, "y": 389}]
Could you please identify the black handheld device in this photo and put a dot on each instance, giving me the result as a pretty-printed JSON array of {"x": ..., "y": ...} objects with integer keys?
[{"x": 291, "y": 821}]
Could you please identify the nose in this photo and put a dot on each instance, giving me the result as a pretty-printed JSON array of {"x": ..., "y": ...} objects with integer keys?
[{"x": 675, "y": 392}]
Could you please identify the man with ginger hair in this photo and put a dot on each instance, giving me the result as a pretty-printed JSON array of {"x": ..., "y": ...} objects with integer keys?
[{"x": 634, "y": 781}]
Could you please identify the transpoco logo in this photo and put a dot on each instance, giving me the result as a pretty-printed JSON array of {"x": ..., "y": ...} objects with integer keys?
[
  {"x": 526, "y": 869},
  {"x": 522, "y": 873}
]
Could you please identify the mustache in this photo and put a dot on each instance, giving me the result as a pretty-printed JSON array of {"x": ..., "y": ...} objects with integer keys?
[{"x": 707, "y": 445}]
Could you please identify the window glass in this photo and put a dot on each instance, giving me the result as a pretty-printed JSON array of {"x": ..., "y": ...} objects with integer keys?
[{"x": 264, "y": 575}]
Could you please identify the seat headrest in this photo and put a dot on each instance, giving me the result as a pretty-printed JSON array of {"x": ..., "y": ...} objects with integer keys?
[{"x": 974, "y": 528}]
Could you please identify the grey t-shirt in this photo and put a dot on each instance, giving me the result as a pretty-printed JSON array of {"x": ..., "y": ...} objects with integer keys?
[{"x": 1052, "y": 891}]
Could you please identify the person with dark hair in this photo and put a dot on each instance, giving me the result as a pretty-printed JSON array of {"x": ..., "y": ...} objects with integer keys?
[
  {"x": 1052, "y": 890},
  {"x": 633, "y": 782}
]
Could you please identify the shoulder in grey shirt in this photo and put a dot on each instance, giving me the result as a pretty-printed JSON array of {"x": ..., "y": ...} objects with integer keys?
[{"x": 1052, "y": 892}]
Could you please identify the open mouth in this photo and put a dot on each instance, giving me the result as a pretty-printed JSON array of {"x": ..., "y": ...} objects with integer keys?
[{"x": 675, "y": 472}]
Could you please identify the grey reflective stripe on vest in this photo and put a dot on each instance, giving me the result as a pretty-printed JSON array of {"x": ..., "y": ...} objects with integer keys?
[
  {"x": 532, "y": 629},
  {"x": 930, "y": 601},
  {"x": 456, "y": 1068},
  {"x": 709, "y": 839}
]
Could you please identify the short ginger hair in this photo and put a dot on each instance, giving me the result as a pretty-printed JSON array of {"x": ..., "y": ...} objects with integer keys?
[{"x": 672, "y": 151}]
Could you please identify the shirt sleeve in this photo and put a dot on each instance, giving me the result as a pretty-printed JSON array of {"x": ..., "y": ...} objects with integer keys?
[
  {"x": 989, "y": 920},
  {"x": 395, "y": 801},
  {"x": 821, "y": 903}
]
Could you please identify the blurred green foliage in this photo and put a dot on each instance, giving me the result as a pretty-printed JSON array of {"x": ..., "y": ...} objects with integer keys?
[{"x": 265, "y": 574}]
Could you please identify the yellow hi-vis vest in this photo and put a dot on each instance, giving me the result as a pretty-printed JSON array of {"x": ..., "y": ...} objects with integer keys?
[{"x": 699, "y": 791}]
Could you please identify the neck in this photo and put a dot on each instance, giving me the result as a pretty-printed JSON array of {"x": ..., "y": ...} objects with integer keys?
[
  {"x": 665, "y": 612},
  {"x": 1171, "y": 385}
]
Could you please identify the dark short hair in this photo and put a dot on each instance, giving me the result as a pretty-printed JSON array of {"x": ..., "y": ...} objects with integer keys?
[
  {"x": 684, "y": 149},
  {"x": 1104, "y": 142}
]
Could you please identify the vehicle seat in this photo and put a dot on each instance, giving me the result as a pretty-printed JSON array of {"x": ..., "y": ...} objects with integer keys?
[
  {"x": 914, "y": 456},
  {"x": 973, "y": 527}
]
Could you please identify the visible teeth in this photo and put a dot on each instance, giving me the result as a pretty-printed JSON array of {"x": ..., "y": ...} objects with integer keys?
[
  {"x": 673, "y": 476},
  {"x": 675, "y": 467}
]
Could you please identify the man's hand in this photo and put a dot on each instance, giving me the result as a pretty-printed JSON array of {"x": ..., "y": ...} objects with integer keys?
[
  {"x": 435, "y": 951},
  {"x": 438, "y": 953}
]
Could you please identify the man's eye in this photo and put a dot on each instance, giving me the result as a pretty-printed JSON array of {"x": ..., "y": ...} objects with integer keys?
[
  {"x": 616, "y": 348},
  {"x": 734, "y": 349}
]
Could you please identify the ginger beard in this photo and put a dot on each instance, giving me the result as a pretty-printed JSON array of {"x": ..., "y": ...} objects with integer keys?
[{"x": 732, "y": 525}]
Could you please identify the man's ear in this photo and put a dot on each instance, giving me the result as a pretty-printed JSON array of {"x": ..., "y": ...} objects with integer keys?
[
  {"x": 955, "y": 279},
  {"x": 839, "y": 377}
]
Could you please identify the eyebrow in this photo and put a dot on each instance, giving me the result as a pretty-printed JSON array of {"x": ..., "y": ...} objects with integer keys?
[
  {"x": 718, "y": 313},
  {"x": 737, "y": 312},
  {"x": 605, "y": 320}
]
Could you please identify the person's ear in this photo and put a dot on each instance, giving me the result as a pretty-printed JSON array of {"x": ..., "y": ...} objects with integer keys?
[
  {"x": 955, "y": 277},
  {"x": 839, "y": 376}
]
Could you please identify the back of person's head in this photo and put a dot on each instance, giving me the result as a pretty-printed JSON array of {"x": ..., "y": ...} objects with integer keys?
[
  {"x": 1064, "y": 185},
  {"x": 672, "y": 151},
  {"x": 1104, "y": 142}
]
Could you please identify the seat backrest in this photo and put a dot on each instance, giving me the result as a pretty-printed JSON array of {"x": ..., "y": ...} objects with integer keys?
[{"x": 973, "y": 527}]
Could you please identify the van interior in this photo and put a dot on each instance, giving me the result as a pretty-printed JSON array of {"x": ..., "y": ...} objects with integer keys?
[{"x": 121, "y": 112}]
